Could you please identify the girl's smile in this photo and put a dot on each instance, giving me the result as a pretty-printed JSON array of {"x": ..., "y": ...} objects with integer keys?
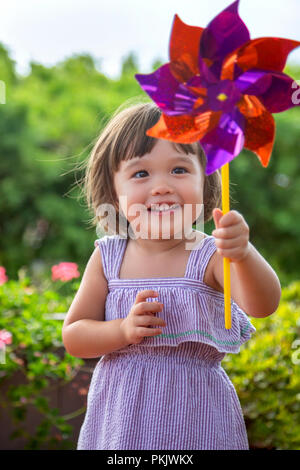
[{"x": 163, "y": 209}]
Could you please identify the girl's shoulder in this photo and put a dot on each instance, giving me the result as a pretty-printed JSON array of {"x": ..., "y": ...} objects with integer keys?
[
  {"x": 205, "y": 259},
  {"x": 213, "y": 263},
  {"x": 111, "y": 248}
]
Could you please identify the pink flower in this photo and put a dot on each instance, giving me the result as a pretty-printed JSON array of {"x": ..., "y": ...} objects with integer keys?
[
  {"x": 5, "y": 338},
  {"x": 64, "y": 271},
  {"x": 3, "y": 277}
]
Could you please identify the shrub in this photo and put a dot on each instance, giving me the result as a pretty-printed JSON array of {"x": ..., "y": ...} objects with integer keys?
[
  {"x": 266, "y": 375},
  {"x": 37, "y": 352}
]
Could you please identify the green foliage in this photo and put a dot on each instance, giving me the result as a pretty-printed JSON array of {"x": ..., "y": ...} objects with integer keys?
[
  {"x": 7, "y": 67},
  {"x": 266, "y": 375},
  {"x": 38, "y": 355},
  {"x": 130, "y": 64}
]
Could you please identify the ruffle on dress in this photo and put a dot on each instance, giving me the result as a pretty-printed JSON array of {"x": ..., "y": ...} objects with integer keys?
[
  {"x": 193, "y": 311},
  {"x": 190, "y": 313}
]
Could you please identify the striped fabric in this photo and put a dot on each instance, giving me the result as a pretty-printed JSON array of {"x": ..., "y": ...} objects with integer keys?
[{"x": 169, "y": 392}]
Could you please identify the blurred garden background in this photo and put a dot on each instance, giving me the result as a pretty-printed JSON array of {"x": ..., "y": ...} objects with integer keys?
[{"x": 48, "y": 124}]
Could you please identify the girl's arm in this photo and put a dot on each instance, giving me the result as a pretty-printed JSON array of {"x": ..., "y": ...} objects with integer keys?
[
  {"x": 255, "y": 286},
  {"x": 88, "y": 339},
  {"x": 85, "y": 332}
]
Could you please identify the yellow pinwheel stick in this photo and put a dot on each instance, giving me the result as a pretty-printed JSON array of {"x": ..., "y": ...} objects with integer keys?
[{"x": 226, "y": 262}]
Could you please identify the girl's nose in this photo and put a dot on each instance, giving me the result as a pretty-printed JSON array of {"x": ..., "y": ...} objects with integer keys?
[
  {"x": 162, "y": 190},
  {"x": 162, "y": 187}
]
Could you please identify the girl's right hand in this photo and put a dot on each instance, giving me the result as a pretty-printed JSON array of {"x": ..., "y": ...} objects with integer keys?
[{"x": 141, "y": 316}]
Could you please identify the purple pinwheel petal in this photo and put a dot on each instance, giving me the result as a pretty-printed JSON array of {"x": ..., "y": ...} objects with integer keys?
[
  {"x": 207, "y": 74},
  {"x": 160, "y": 86},
  {"x": 224, "y": 142},
  {"x": 279, "y": 96},
  {"x": 183, "y": 101},
  {"x": 274, "y": 89},
  {"x": 197, "y": 81},
  {"x": 171, "y": 96},
  {"x": 225, "y": 33},
  {"x": 254, "y": 82}
]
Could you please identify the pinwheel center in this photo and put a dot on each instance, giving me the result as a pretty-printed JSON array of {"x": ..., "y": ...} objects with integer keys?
[{"x": 222, "y": 97}]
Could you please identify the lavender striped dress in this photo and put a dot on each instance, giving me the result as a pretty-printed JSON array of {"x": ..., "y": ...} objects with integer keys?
[{"x": 168, "y": 392}]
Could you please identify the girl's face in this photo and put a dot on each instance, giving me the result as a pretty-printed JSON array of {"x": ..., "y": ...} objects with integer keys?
[{"x": 163, "y": 175}]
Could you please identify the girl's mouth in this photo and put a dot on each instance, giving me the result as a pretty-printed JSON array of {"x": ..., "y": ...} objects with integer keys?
[{"x": 165, "y": 211}]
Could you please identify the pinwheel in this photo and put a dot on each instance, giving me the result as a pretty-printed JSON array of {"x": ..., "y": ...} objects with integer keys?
[{"x": 220, "y": 88}]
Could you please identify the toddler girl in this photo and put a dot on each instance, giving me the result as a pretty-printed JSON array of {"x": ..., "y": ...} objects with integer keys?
[{"x": 152, "y": 305}]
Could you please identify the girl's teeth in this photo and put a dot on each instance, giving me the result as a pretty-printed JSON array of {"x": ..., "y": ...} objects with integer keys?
[{"x": 164, "y": 207}]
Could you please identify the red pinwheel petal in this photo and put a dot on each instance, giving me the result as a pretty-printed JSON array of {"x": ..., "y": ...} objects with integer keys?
[
  {"x": 224, "y": 34},
  {"x": 266, "y": 53},
  {"x": 250, "y": 106},
  {"x": 261, "y": 53},
  {"x": 184, "y": 50},
  {"x": 207, "y": 121},
  {"x": 184, "y": 129},
  {"x": 259, "y": 128}
]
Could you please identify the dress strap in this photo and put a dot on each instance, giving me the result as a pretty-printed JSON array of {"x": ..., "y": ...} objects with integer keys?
[
  {"x": 111, "y": 249},
  {"x": 200, "y": 258}
]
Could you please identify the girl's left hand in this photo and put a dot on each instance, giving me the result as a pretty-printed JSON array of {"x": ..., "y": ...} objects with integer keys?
[{"x": 231, "y": 235}]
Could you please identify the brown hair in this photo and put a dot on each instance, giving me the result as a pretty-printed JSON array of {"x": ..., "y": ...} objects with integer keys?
[{"x": 123, "y": 138}]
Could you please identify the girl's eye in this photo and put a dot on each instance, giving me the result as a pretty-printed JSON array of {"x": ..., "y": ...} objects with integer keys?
[
  {"x": 144, "y": 171},
  {"x": 141, "y": 171},
  {"x": 181, "y": 168}
]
